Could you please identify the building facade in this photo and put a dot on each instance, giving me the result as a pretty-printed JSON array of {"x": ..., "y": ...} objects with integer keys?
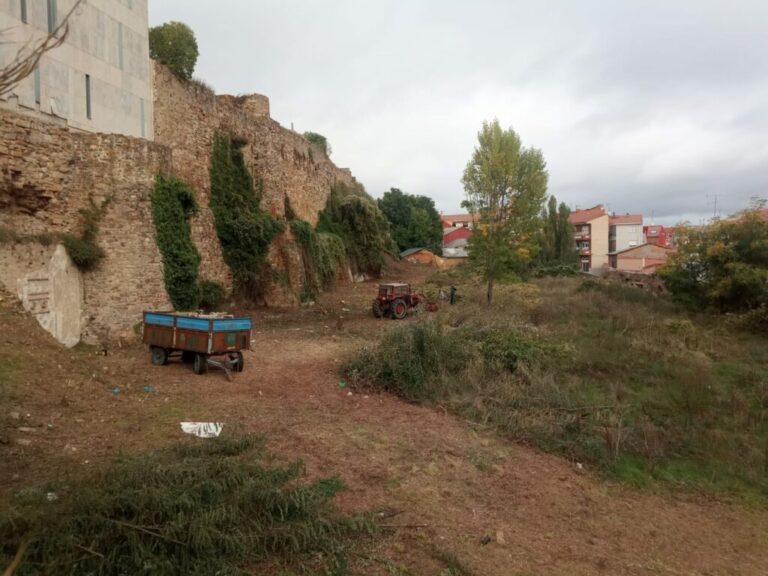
[
  {"x": 625, "y": 232},
  {"x": 592, "y": 237},
  {"x": 99, "y": 80},
  {"x": 646, "y": 258}
]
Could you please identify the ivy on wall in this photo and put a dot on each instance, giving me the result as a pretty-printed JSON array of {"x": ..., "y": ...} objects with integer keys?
[
  {"x": 173, "y": 204},
  {"x": 352, "y": 215},
  {"x": 322, "y": 254},
  {"x": 244, "y": 229}
]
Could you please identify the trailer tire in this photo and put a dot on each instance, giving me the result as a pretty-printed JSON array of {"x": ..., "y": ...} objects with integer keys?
[
  {"x": 200, "y": 365},
  {"x": 240, "y": 363},
  {"x": 159, "y": 356}
]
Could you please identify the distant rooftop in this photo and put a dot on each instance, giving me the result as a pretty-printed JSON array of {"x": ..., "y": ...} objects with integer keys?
[
  {"x": 587, "y": 215},
  {"x": 626, "y": 219}
]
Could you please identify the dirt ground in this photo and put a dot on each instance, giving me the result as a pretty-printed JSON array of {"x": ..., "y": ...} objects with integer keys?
[{"x": 444, "y": 490}]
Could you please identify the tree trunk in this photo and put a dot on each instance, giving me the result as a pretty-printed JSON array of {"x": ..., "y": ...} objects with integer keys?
[{"x": 490, "y": 289}]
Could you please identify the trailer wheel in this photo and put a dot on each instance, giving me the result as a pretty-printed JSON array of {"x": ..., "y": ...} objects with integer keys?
[
  {"x": 399, "y": 309},
  {"x": 159, "y": 356},
  {"x": 377, "y": 310},
  {"x": 240, "y": 363},
  {"x": 200, "y": 365}
]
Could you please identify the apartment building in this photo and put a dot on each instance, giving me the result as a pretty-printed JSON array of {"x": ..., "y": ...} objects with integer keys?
[
  {"x": 625, "y": 231},
  {"x": 99, "y": 80},
  {"x": 592, "y": 237}
]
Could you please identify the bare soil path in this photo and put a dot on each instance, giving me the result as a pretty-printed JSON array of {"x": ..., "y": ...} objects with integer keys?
[{"x": 443, "y": 489}]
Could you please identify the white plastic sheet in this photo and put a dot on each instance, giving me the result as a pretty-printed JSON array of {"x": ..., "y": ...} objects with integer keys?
[{"x": 203, "y": 429}]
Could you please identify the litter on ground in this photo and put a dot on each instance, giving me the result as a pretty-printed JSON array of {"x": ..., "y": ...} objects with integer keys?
[{"x": 203, "y": 429}]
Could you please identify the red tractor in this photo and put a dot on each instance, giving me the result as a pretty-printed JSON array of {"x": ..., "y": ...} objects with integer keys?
[{"x": 395, "y": 300}]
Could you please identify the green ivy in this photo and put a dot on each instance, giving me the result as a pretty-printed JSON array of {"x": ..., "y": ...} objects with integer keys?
[
  {"x": 173, "y": 203},
  {"x": 212, "y": 295},
  {"x": 352, "y": 215},
  {"x": 83, "y": 249},
  {"x": 322, "y": 253},
  {"x": 244, "y": 229}
]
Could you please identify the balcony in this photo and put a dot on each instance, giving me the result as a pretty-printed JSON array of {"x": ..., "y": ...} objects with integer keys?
[{"x": 582, "y": 236}]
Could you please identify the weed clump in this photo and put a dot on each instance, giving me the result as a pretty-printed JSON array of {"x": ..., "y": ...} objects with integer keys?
[{"x": 207, "y": 508}]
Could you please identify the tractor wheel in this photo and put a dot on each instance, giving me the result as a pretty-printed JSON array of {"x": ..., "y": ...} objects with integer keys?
[
  {"x": 200, "y": 365},
  {"x": 240, "y": 364},
  {"x": 399, "y": 309},
  {"x": 159, "y": 356},
  {"x": 377, "y": 310}
]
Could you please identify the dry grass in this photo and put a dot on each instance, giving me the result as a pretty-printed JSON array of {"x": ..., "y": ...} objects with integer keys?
[{"x": 596, "y": 372}]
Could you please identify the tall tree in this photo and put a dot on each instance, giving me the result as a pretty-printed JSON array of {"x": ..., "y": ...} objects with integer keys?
[
  {"x": 174, "y": 44},
  {"x": 557, "y": 245},
  {"x": 505, "y": 186},
  {"x": 414, "y": 220}
]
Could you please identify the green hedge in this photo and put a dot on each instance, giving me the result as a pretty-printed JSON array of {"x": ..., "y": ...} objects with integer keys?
[{"x": 322, "y": 253}]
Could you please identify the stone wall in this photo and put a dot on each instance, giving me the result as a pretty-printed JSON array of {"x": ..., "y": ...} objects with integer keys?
[
  {"x": 47, "y": 175},
  {"x": 187, "y": 119}
]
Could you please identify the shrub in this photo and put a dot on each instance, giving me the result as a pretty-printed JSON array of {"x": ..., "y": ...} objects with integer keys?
[
  {"x": 320, "y": 141},
  {"x": 413, "y": 361},
  {"x": 212, "y": 295},
  {"x": 197, "y": 509},
  {"x": 83, "y": 250},
  {"x": 244, "y": 229},
  {"x": 85, "y": 254},
  {"x": 174, "y": 44},
  {"x": 173, "y": 204}
]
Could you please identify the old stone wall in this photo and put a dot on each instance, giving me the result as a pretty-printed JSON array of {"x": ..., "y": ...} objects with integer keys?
[
  {"x": 188, "y": 117},
  {"x": 47, "y": 175}
]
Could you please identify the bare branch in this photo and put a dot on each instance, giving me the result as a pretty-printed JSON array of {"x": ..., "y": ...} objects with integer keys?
[{"x": 28, "y": 57}]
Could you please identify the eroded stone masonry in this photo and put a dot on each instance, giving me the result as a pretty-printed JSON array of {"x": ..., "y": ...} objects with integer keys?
[{"x": 48, "y": 173}]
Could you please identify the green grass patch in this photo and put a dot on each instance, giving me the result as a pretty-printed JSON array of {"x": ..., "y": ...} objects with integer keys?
[
  {"x": 612, "y": 376},
  {"x": 205, "y": 507}
]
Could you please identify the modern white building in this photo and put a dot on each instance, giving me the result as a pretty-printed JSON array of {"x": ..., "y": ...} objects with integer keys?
[
  {"x": 99, "y": 80},
  {"x": 625, "y": 231}
]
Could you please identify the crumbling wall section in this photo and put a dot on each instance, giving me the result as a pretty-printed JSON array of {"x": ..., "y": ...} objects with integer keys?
[{"x": 49, "y": 172}]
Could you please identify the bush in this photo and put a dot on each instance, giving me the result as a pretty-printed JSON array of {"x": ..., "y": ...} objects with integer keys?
[
  {"x": 318, "y": 140},
  {"x": 173, "y": 204},
  {"x": 174, "y": 44},
  {"x": 83, "y": 250},
  {"x": 212, "y": 295},
  {"x": 413, "y": 361},
  {"x": 194, "y": 509},
  {"x": 244, "y": 229},
  {"x": 84, "y": 253}
]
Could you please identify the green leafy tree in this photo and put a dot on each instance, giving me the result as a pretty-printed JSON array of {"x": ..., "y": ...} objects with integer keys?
[
  {"x": 414, "y": 221},
  {"x": 557, "y": 245},
  {"x": 505, "y": 186},
  {"x": 722, "y": 266},
  {"x": 320, "y": 141},
  {"x": 174, "y": 44}
]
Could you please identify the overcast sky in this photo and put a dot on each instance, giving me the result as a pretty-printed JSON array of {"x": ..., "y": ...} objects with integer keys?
[{"x": 650, "y": 106}]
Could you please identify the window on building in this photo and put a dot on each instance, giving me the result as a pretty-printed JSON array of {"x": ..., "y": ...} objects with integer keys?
[
  {"x": 24, "y": 15},
  {"x": 52, "y": 15},
  {"x": 88, "y": 103},
  {"x": 585, "y": 265},
  {"x": 120, "y": 61}
]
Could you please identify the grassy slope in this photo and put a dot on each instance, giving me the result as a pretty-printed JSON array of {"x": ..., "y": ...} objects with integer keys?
[{"x": 600, "y": 373}]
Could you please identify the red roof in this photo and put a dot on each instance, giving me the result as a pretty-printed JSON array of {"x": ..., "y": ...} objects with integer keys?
[
  {"x": 458, "y": 217},
  {"x": 456, "y": 235},
  {"x": 626, "y": 219},
  {"x": 584, "y": 216}
]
